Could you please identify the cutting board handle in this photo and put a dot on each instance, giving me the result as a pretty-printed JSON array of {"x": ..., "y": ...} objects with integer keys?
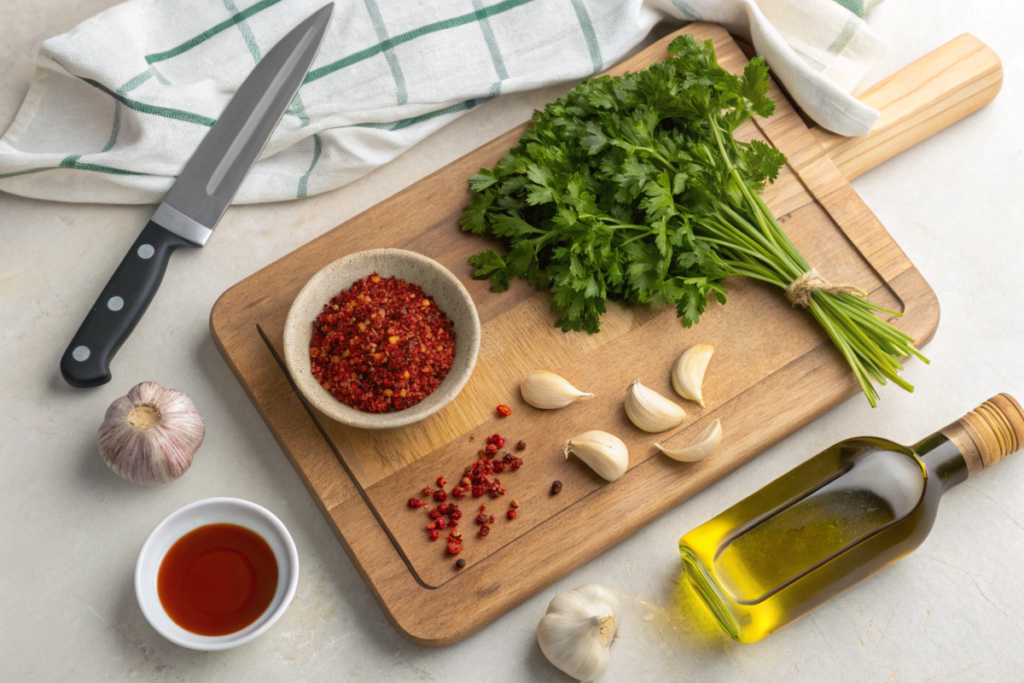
[{"x": 918, "y": 101}]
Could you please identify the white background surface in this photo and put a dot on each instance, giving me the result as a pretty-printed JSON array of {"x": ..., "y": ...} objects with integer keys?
[{"x": 71, "y": 530}]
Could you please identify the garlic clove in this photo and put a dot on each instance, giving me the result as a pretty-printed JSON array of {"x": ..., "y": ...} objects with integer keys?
[
  {"x": 546, "y": 390},
  {"x": 650, "y": 411},
  {"x": 576, "y": 632},
  {"x": 705, "y": 445},
  {"x": 149, "y": 436},
  {"x": 688, "y": 373},
  {"x": 604, "y": 453}
]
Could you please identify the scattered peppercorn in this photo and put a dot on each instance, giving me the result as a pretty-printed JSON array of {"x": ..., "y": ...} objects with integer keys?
[
  {"x": 454, "y": 546},
  {"x": 504, "y": 410},
  {"x": 428, "y": 491},
  {"x": 556, "y": 487},
  {"x": 484, "y": 530},
  {"x": 515, "y": 503},
  {"x": 511, "y": 514},
  {"x": 441, "y": 481},
  {"x": 434, "y": 534},
  {"x": 460, "y": 563},
  {"x": 521, "y": 445},
  {"x": 413, "y": 503}
]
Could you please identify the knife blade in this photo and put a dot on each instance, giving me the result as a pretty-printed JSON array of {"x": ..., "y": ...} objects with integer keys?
[{"x": 196, "y": 201}]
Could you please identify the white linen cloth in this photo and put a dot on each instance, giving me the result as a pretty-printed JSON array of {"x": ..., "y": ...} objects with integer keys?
[{"x": 119, "y": 103}]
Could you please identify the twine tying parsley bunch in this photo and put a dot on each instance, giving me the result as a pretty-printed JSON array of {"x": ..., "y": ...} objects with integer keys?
[{"x": 634, "y": 189}]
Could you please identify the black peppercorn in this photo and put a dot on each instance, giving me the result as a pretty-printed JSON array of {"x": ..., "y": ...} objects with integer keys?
[
  {"x": 460, "y": 564},
  {"x": 556, "y": 487}
]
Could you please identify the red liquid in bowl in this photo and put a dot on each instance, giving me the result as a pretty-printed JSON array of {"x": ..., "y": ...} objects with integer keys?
[{"x": 217, "y": 579}]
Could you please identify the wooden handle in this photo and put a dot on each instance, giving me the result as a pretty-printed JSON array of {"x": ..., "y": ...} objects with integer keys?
[{"x": 918, "y": 101}]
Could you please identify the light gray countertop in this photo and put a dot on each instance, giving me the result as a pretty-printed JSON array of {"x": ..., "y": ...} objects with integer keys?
[{"x": 71, "y": 530}]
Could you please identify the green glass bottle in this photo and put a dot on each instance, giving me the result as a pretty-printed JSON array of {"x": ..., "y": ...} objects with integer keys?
[{"x": 835, "y": 520}]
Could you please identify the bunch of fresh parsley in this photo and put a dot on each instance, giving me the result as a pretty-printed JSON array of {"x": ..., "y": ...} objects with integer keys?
[{"x": 634, "y": 189}]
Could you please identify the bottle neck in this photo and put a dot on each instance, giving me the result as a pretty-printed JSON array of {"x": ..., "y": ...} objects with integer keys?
[{"x": 943, "y": 459}]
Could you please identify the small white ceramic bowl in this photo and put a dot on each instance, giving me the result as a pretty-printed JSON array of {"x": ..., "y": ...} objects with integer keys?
[
  {"x": 436, "y": 281},
  {"x": 215, "y": 511}
]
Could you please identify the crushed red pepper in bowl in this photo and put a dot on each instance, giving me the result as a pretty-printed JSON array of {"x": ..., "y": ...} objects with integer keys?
[{"x": 382, "y": 345}]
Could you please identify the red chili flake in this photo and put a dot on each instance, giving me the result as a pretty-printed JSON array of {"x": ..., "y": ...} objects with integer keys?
[
  {"x": 441, "y": 523},
  {"x": 484, "y": 530},
  {"x": 504, "y": 410},
  {"x": 511, "y": 514},
  {"x": 413, "y": 503},
  {"x": 443, "y": 508},
  {"x": 441, "y": 481},
  {"x": 440, "y": 495},
  {"x": 427, "y": 491},
  {"x": 458, "y": 492},
  {"x": 454, "y": 547},
  {"x": 381, "y": 345},
  {"x": 491, "y": 449},
  {"x": 481, "y": 519},
  {"x": 453, "y": 524},
  {"x": 499, "y": 467},
  {"x": 435, "y": 514},
  {"x": 456, "y": 516},
  {"x": 431, "y": 526},
  {"x": 490, "y": 520},
  {"x": 434, "y": 534},
  {"x": 483, "y": 507}
]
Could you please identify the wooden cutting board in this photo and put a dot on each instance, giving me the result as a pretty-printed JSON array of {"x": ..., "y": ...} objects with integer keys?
[{"x": 774, "y": 370}]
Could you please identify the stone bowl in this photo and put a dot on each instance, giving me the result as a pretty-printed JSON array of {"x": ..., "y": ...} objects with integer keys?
[{"x": 436, "y": 281}]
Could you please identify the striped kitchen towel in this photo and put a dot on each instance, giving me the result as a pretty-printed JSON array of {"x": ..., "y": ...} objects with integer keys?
[{"x": 118, "y": 104}]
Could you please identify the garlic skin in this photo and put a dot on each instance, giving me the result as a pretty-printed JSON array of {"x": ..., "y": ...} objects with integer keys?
[
  {"x": 547, "y": 391},
  {"x": 604, "y": 453},
  {"x": 650, "y": 411},
  {"x": 706, "y": 444},
  {"x": 149, "y": 436},
  {"x": 688, "y": 373},
  {"x": 578, "y": 628}
]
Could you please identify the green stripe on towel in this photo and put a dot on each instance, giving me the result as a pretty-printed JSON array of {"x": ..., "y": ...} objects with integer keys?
[{"x": 393, "y": 42}]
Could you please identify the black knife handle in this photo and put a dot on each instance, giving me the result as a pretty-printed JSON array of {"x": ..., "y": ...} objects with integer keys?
[{"x": 86, "y": 362}]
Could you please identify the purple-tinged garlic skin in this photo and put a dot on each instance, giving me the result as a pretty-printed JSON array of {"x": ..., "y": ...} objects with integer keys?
[{"x": 148, "y": 437}]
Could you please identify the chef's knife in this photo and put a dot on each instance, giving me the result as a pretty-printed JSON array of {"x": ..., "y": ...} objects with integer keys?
[{"x": 196, "y": 202}]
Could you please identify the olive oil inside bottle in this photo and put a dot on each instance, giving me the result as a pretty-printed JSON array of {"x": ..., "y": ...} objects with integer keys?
[
  {"x": 835, "y": 520},
  {"x": 877, "y": 489}
]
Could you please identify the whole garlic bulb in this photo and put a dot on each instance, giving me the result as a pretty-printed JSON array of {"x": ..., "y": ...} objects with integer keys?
[
  {"x": 149, "y": 436},
  {"x": 650, "y": 411},
  {"x": 605, "y": 453},
  {"x": 578, "y": 629},
  {"x": 547, "y": 391}
]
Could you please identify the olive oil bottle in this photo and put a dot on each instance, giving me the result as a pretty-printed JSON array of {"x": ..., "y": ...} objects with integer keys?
[{"x": 835, "y": 520}]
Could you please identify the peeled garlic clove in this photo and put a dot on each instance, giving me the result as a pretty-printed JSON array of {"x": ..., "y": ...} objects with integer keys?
[
  {"x": 603, "y": 452},
  {"x": 688, "y": 373},
  {"x": 705, "y": 445},
  {"x": 650, "y": 411},
  {"x": 149, "y": 436},
  {"x": 546, "y": 390},
  {"x": 578, "y": 629}
]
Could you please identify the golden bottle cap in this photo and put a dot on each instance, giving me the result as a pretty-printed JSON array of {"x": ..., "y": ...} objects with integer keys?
[{"x": 988, "y": 433}]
